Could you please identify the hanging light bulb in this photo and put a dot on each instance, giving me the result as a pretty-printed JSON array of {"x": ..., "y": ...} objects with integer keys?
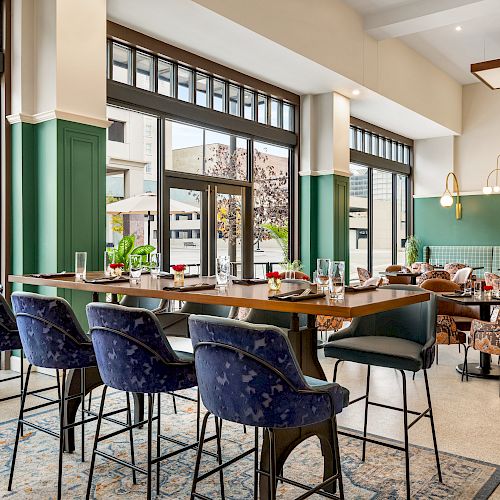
[
  {"x": 446, "y": 200},
  {"x": 487, "y": 190},
  {"x": 496, "y": 189}
]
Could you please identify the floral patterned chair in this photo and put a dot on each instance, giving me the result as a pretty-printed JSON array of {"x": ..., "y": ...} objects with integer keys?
[
  {"x": 453, "y": 267},
  {"x": 363, "y": 275},
  {"x": 297, "y": 275},
  {"x": 489, "y": 278},
  {"x": 421, "y": 267},
  {"x": 398, "y": 280},
  {"x": 484, "y": 337},
  {"x": 444, "y": 275}
]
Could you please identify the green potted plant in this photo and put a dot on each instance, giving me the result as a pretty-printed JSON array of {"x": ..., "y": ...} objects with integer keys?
[
  {"x": 126, "y": 248},
  {"x": 412, "y": 247}
]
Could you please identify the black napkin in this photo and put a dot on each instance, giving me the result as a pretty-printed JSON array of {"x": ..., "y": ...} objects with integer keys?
[
  {"x": 250, "y": 281},
  {"x": 189, "y": 288},
  {"x": 294, "y": 296},
  {"x": 360, "y": 288},
  {"x": 52, "y": 275},
  {"x": 106, "y": 281}
]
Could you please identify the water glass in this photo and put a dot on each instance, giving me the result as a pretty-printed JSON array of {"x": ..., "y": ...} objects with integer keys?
[
  {"x": 478, "y": 288},
  {"x": 80, "y": 265},
  {"x": 322, "y": 273},
  {"x": 222, "y": 269},
  {"x": 109, "y": 258},
  {"x": 496, "y": 288},
  {"x": 468, "y": 288},
  {"x": 135, "y": 268},
  {"x": 155, "y": 265},
  {"x": 336, "y": 279}
]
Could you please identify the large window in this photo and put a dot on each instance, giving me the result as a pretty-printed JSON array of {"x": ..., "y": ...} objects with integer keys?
[{"x": 379, "y": 190}]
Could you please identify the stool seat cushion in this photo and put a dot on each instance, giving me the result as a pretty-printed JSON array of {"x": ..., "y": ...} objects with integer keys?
[{"x": 390, "y": 352}]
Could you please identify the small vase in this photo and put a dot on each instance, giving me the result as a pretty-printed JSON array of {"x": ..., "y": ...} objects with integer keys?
[
  {"x": 274, "y": 284},
  {"x": 179, "y": 278}
]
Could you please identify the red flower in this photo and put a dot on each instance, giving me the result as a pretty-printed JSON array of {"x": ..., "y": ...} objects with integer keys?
[
  {"x": 487, "y": 288},
  {"x": 274, "y": 275},
  {"x": 116, "y": 266},
  {"x": 179, "y": 267}
]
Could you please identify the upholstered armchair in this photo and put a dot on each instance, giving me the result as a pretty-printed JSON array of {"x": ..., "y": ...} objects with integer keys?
[
  {"x": 363, "y": 275},
  {"x": 484, "y": 337},
  {"x": 444, "y": 275},
  {"x": 489, "y": 278},
  {"x": 462, "y": 275},
  {"x": 453, "y": 267},
  {"x": 397, "y": 280},
  {"x": 421, "y": 267}
]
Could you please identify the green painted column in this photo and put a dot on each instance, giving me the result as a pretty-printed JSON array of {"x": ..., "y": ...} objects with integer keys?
[
  {"x": 324, "y": 219},
  {"x": 58, "y": 200}
]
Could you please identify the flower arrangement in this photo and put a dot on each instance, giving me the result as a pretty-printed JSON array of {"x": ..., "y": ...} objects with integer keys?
[
  {"x": 116, "y": 269},
  {"x": 488, "y": 291},
  {"x": 179, "y": 273},
  {"x": 273, "y": 280}
]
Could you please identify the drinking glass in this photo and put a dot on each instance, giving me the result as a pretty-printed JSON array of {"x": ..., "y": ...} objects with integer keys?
[
  {"x": 135, "y": 268},
  {"x": 478, "y": 287},
  {"x": 80, "y": 265},
  {"x": 496, "y": 288},
  {"x": 468, "y": 288},
  {"x": 155, "y": 265},
  {"x": 322, "y": 273},
  {"x": 222, "y": 270},
  {"x": 109, "y": 258},
  {"x": 336, "y": 276}
]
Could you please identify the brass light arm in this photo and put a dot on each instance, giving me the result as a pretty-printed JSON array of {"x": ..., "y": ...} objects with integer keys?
[{"x": 447, "y": 198}]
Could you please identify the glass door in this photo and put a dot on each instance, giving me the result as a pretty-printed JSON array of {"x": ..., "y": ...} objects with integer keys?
[{"x": 204, "y": 220}]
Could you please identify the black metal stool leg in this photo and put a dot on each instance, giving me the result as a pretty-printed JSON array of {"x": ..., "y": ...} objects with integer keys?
[
  {"x": 22, "y": 384},
  {"x": 431, "y": 415},
  {"x": 61, "y": 435},
  {"x": 82, "y": 409},
  {"x": 18, "y": 432},
  {"x": 335, "y": 369},
  {"x": 338, "y": 464},
  {"x": 365, "y": 426},
  {"x": 465, "y": 371},
  {"x": 407, "y": 446},
  {"x": 272, "y": 465},
  {"x": 150, "y": 438},
  {"x": 96, "y": 441},
  {"x": 256, "y": 466},
  {"x": 158, "y": 445},
  {"x": 218, "y": 431},
  {"x": 199, "y": 454},
  {"x": 198, "y": 414},
  {"x": 175, "y": 404},
  {"x": 90, "y": 400},
  {"x": 131, "y": 437}
]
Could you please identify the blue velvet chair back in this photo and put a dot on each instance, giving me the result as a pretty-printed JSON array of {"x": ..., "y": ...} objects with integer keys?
[
  {"x": 416, "y": 322},
  {"x": 9, "y": 336},
  {"x": 50, "y": 333},
  {"x": 144, "y": 302},
  {"x": 133, "y": 354},
  {"x": 249, "y": 374}
]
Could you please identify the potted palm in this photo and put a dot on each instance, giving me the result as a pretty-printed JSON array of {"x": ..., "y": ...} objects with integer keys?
[{"x": 412, "y": 247}]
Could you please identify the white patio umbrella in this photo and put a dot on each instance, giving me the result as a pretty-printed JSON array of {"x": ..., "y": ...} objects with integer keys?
[{"x": 146, "y": 203}]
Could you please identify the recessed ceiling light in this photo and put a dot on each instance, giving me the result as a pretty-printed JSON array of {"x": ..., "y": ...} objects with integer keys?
[
  {"x": 458, "y": 28},
  {"x": 356, "y": 92}
]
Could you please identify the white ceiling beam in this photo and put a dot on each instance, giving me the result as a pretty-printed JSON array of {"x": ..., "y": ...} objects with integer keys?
[{"x": 424, "y": 15}]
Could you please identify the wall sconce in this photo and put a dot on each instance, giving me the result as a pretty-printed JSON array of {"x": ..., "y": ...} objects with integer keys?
[
  {"x": 447, "y": 198},
  {"x": 496, "y": 188}
]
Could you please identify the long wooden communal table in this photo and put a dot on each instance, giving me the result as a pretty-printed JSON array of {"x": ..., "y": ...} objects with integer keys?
[{"x": 303, "y": 340}]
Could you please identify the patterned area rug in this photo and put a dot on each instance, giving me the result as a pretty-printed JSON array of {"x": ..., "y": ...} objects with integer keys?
[{"x": 380, "y": 477}]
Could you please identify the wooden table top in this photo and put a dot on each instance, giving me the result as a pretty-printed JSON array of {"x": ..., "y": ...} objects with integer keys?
[
  {"x": 469, "y": 300},
  {"x": 251, "y": 296}
]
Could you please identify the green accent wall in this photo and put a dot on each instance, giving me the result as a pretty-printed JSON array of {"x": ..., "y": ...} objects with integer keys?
[
  {"x": 435, "y": 225},
  {"x": 324, "y": 219},
  {"x": 58, "y": 200}
]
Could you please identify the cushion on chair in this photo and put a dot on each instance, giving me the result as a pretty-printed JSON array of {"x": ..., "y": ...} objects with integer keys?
[
  {"x": 462, "y": 275},
  {"x": 389, "y": 352}
]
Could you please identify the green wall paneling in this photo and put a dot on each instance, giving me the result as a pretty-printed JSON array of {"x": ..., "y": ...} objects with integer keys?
[
  {"x": 324, "y": 219},
  {"x": 59, "y": 201},
  {"x": 479, "y": 225}
]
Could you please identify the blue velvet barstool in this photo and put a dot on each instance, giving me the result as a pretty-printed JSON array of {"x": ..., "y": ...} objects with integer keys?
[
  {"x": 134, "y": 355},
  {"x": 10, "y": 341},
  {"x": 51, "y": 338},
  {"x": 248, "y": 374}
]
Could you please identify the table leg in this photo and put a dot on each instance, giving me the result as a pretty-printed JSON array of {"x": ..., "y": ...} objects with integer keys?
[
  {"x": 484, "y": 369},
  {"x": 304, "y": 343}
]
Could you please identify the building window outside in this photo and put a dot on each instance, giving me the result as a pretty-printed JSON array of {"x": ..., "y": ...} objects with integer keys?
[
  {"x": 116, "y": 131},
  {"x": 148, "y": 148},
  {"x": 148, "y": 169}
]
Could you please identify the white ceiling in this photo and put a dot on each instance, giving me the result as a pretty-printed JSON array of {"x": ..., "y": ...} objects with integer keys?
[
  {"x": 222, "y": 40},
  {"x": 428, "y": 26}
]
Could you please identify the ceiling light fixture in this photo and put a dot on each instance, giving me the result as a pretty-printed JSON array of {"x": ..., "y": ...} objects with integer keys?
[
  {"x": 447, "y": 198},
  {"x": 458, "y": 28},
  {"x": 488, "y": 72},
  {"x": 356, "y": 92},
  {"x": 496, "y": 188}
]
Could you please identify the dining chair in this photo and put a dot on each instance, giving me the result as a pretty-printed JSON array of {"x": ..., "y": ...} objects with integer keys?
[
  {"x": 397, "y": 280},
  {"x": 363, "y": 274},
  {"x": 299, "y": 275},
  {"x": 226, "y": 351},
  {"x": 462, "y": 275},
  {"x": 51, "y": 338},
  {"x": 453, "y": 267},
  {"x": 421, "y": 267},
  {"x": 134, "y": 355},
  {"x": 444, "y": 275},
  {"x": 10, "y": 341},
  {"x": 402, "y": 339}
]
